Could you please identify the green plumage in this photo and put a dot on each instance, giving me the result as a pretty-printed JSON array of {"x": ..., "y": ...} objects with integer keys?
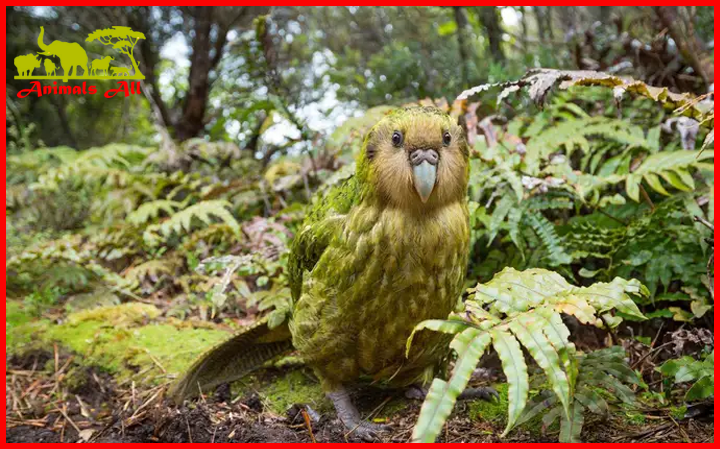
[{"x": 371, "y": 261}]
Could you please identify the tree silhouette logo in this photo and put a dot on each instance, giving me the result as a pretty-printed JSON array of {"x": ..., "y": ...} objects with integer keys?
[{"x": 71, "y": 59}]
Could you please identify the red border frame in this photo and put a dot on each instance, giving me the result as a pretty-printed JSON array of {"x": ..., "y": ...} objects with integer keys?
[{"x": 3, "y": 51}]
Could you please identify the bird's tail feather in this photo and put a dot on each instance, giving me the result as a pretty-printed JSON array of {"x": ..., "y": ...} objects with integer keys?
[{"x": 243, "y": 353}]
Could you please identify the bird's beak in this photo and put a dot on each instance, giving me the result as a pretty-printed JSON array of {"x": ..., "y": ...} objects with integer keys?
[{"x": 424, "y": 166}]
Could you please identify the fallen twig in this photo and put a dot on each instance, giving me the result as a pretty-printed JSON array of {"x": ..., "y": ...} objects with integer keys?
[{"x": 306, "y": 417}]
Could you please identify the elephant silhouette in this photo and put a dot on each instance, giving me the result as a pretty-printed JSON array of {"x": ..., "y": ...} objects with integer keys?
[
  {"x": 71, "y": 55},
  {"x": 101, "y": 65},
  {"x": 25, "y": 64},
  {"x": 49, "y": 67}
]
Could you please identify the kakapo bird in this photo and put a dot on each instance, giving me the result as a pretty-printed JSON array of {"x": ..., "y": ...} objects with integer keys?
[{"x": 375, "y": 256}]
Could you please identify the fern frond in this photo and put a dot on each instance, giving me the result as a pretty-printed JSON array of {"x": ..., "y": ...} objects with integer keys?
[
  {"x": 182, "y": 222},
  {"x": 151, "y": 210},
  {"x": 524, "y": 311},
  {"x": 152, "y": 270},
  {"x": 570, "y": 135},
  {"x": 440, "y": 400},
  {"x": 549, "y": 237},
  {"x": 111, "y": 164},
  {"x": 672, "y": 166}
]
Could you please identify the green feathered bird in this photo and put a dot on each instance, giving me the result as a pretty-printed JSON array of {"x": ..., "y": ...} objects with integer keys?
[{"x": 376, "y": 255}]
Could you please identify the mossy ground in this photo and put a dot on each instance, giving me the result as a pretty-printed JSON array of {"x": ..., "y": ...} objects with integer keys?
[
  {"x": 123, "y": 340},
  {"x": 132, "y": 341},
  {"x": 295, "y": 387},
  {"x": 136, "y": 342},
  {"x": 494, "y": 411}
]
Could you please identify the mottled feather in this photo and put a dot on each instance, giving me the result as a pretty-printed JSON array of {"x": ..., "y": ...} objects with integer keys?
[{"x": 370, "y": 262}]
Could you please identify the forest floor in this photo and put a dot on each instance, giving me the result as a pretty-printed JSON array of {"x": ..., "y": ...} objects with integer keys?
[{"x": 100, "y": 375}]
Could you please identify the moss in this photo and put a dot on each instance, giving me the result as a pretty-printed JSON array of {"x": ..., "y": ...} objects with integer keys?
[
  {"x": 495, "y": 411},
  {"x": 678, "y": 412},
  {"x": 296, "y": 387},
  {"x": 83, "y": 301},
  {"x": 393, "y": 407},
  {"x": 118, "y": 339},
  {"x": 80, "y": 337},
  {"x": 160, "y": 347},
  {"x": 629, "y": 414},
  {"x": 26, "y": 337},
  {"x": 635, "y": 418},
  {"x": 21, "y": 331},
  {"x": 122, "y": 315},
  {"x": 15, "y": 314},
  {"x": 175, "y": 349}
]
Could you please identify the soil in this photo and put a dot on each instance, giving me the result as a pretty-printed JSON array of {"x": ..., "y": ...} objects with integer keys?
[{"x": 105, "y": 412}]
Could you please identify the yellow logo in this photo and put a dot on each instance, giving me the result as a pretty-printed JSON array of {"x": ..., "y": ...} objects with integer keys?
[{"x": 71, "y": 58}]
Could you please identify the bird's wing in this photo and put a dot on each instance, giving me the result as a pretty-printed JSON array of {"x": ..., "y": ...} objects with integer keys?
[{"x": 323, "y": 223}]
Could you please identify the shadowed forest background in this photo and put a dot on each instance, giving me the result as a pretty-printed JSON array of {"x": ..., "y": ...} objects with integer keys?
[{"x": 143, "y": 230}]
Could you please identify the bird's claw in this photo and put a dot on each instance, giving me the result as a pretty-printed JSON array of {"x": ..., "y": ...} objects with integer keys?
[
  {"x": 416, "y": 392},
  {"x": 484, "y": 393},
  {"x": 350, "y": 417},
  {"x": 368, "y": 431}
]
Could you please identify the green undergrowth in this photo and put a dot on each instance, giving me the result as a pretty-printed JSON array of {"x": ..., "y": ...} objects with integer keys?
[
  {"x": 495, "y": 412},
  {"x": 295, "y": 387},
  {"x": 123, "y": 340}
]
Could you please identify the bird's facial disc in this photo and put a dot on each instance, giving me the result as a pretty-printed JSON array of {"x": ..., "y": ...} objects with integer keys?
[{"x": 424, "y": 164}]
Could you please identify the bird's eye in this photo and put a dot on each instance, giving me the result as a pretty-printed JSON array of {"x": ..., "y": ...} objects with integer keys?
[
  {"x": 397, "y": 138},
  {"x": 446, "y": 138}
]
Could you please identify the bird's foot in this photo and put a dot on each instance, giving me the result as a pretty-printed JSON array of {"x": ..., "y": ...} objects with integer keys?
[
  {"x": 368, "y": 431},
  {"x": 485, "y": 393},
  {"x": 350, "y": 417},
  {"x": 416, "y": 392}
]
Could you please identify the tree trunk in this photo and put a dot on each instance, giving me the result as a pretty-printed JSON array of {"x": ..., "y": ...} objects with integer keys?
[
  {"x": 682, "y": 31},
  {"x": 149, "y": 58},
  {"x": 461, "y": 22},
  {"x": 549, "y": 23},
  {"x": 605, "y": 14},
  {"x": 193, "y": 111},
  {"x": 210, "y": 27},
  {"x": 491, "y": 22},
  {"x": 59, "y": 102},
  {"x": 540, "y": 20},
  {"x": 523, "y": 25}
]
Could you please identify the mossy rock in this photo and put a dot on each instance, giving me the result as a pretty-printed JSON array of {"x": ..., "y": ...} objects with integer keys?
[
  {"x": 122, "y": 339},
  {"x": 123, "y": 315}
]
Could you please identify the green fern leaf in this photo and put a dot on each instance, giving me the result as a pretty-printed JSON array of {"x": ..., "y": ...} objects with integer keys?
[
  {"x": 440, "y": 400},
  {"x": 515, "y": 369},
  {"x": 528, "y": 330},
  {"x": 591, "y": 400},
  {"x": 549, "y": 237},
  {"x": 654, "y": 181},
  {"x": 571, "y": 426},
  {"x": 151, "y": 210},
  {"x": 445, "y": 326},
  {"x": 525, "y": 309},
  {"x": 182, "y": 221}
]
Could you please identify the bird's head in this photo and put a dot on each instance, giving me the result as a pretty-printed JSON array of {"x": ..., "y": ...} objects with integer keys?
[{"x": 415, "y": 158}]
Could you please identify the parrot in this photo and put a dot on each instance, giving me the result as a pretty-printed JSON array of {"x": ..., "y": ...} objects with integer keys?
[{"x": 375, "y": 255}]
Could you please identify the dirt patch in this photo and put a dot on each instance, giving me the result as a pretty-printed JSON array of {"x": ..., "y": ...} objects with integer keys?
[{"x": 51, "y": 399}]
